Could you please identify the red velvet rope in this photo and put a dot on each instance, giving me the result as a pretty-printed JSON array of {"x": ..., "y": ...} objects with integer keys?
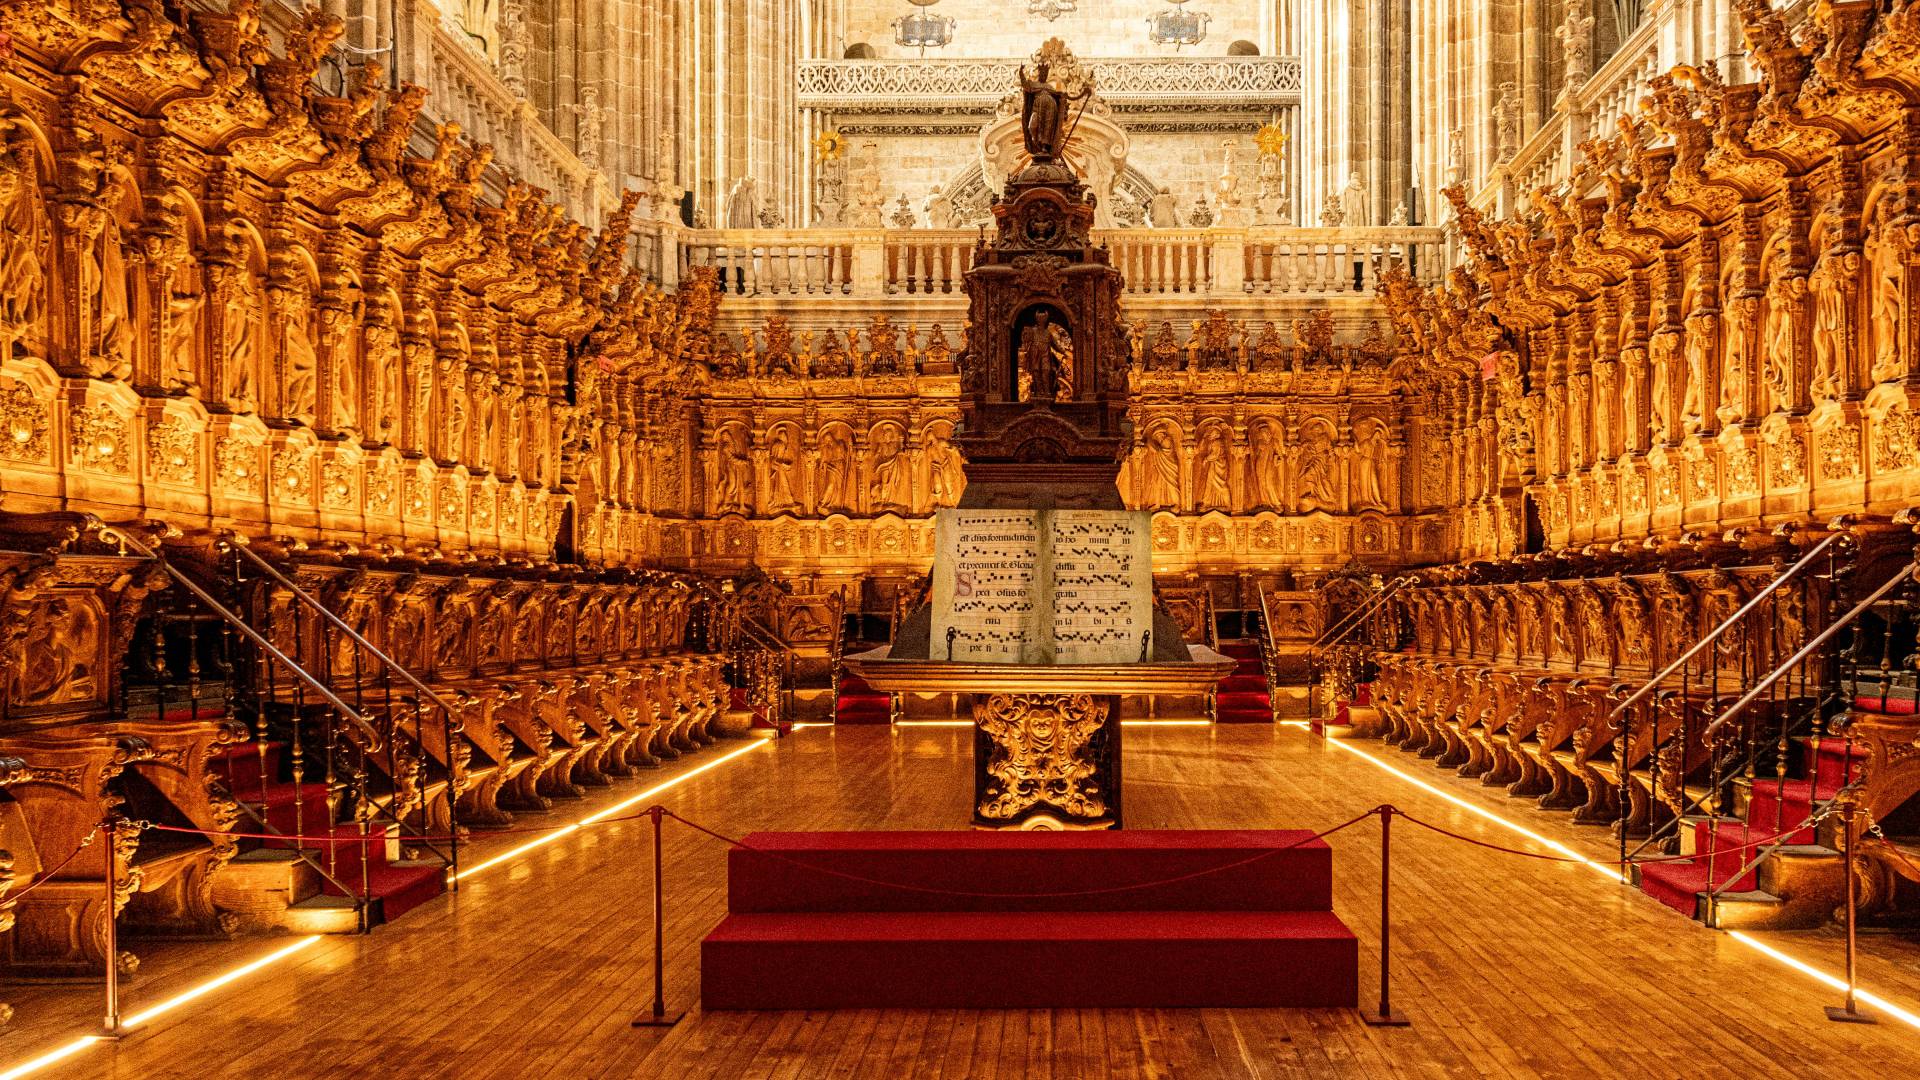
[
  {"x": 1577, "y": 859},
  {"x": 349, "y": 838}
]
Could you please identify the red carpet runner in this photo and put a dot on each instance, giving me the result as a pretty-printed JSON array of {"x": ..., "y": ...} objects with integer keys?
[
  {"x": 1247, "y": 925},
  {"x": 1243, "y": 697},
  {"x": 857, "y": 702}
]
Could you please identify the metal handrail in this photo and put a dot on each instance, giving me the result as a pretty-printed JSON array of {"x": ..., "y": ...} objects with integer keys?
[
  {"x": 1807, "y": 650},
  {"x": 1366, "y": 609},
  {"x": 1723, "y": 627},
  {"x": 340, "y": 624},
  {"x": 367, "y": 730}
]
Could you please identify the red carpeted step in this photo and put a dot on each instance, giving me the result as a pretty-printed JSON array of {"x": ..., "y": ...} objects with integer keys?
[
  {"x": 1833, "y": 763},
  {"x": 1241, "y": 650},
  {"x": 857, "y": 702},
  {"x": 395, "y": 889},
  {"x": 993, "y": 960},
  {"x": 1891, "y": 706},
  {"x": 1769, "y": 810},
  {"x": 1679, "y": 884},
  {"x": 239, "y": 767},
  {"x": 1242, "y": 684},
  {"x": 1227, "y": 870}
]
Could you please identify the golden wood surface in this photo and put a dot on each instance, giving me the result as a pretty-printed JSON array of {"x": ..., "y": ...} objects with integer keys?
[{"x": 1507, "y": 966}]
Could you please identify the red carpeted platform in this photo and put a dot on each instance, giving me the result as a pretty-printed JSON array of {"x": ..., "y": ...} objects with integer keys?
[
  {"x": 871, "y": 920},
  {"x": 857, "y": 702}
]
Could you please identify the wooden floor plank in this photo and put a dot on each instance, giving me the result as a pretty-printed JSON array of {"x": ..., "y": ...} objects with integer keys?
[{"x": 1510, "y": 967}]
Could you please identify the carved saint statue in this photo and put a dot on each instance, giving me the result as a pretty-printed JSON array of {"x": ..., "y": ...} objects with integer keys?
[
  {"x": 890, "y": 489},
  {"x": 1831, "y": 287},
  {"x": 781, "y": 458},
  {"x": 1777, "y": 369},
  {"x": 1210, "y": 488},
  {"x": 1887, "y": 312},
  {"x": 1665, "y": 349},
  {"x": 733, "y": 479},
  {"x": 945, "y": 470},
  {"x": 1370, "y": 479},
  {"x": 1733, "y": 367},
  {"x": 181, "y": 344},
  {"x": 23, "y": 238},
  {"x": 1266, "y": 470},
  {"x": 1698, "y": 396},
  {"x": 1043, "y": 113},
  {"x": 238, "y": 310},
  {"x": 1046, "y": 358},
  {"x": 1318, "y": 490},
  {"x": 381, "y": 347},
  {"x": 833, "y": 483},
  {"x": 301, "y": 359},
  {"x": 1160, "y": 469}
]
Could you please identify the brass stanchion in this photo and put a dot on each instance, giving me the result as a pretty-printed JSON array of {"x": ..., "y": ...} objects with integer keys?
[
  {"x": 1850, "y": 1012},
  {"x": 658, "y": 1016},
  {"x": 112, "y": 1027},
  {"x": 1386, "y": 1017}
]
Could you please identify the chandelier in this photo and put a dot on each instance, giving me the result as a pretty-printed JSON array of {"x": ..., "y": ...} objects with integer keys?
[
  {"x": 1051, "y": 9},
  {"x": 922, "y": 30},
  {"x": 1177, "y": 26}
]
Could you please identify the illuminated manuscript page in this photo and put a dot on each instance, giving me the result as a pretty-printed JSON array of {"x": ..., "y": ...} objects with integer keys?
[{"x": 1041, "y": 587}]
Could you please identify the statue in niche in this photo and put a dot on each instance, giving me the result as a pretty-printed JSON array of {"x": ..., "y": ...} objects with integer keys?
[
  {"x": 301, "y": 359},
  {"x": 453, "y": 378},
  {"x": 1372, "y": 454},
  {"x": 1741, "y": 312},
  {"x": 612, "y": 475},
  {"x": 1046, "y": 359},
  {"x": 1694, "y": 407},
  {"x": 1777, "y": 369},
  {"x": 890, "y": 489},
  {"x": 1043, "y": 113},
  {"x": 1317, "y": 488},
  {"x": 1210, "y": 488},
  {"x": 1160, "y": 480},
  {"x": 733, "y": 488},
  {"x": 24, "y": 234},
  {"x": 420, "y": 371},
  {"x": 344, "y": 400},
  {"x": 1605, "y": 376},
  {"x": 781, "y": 462},
  {"x": 380, "y": 346},
  {"x": 945, "y": 470},
  {"x": 834, "y": 483},
  {"x": 180, "y": 346},
  {"x": 1633, "y": 363},
  {"x": 1266, "y": 470},
  {"x": 1886, "y": 310},
  {"x": 1831, "y": 287},
  {"x": 238, "y": 310},
  {"x": 1665, "y": 349}
]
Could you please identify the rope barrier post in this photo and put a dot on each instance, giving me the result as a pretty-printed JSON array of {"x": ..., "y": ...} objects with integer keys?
[
  {"x": 1386, "y": 1017},
  {"x": 111, "y": 1029},
  {"x": 658, "y": 1016},
  {"x": 1850, "y": 1012}
]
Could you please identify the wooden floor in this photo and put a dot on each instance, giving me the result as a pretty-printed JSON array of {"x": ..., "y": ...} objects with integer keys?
[{"x": 1506, "y": 966}]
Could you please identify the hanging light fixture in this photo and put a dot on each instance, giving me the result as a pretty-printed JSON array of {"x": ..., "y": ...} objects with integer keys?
[
  {"x": 923, "y": 29},
  {"x": 1177, "y": 26},
  {"x": 1051, "y": 9}
]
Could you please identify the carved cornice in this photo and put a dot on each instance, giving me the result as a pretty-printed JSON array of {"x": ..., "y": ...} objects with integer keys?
[{"x": 890, "y": 85}]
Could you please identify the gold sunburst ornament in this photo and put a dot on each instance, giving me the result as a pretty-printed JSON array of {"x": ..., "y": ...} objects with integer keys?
[
  {"x": 829, "y": 146},
  {"x": 1270, "y": 139}
]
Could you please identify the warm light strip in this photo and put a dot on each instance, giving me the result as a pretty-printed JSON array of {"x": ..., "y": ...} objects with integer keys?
[
  {"x": 52, "y": 1057},
  {"x": 625, "y": 804},
  {"x": 217, "y": 982},
  {"x": 1123, "y": 723},
  {"x": 1807, "y": 969},
  {"x": 1612, "y": 873}
]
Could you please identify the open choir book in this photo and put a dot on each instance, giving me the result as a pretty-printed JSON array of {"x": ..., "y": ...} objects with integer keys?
[{"x": 1042, "y": 587}]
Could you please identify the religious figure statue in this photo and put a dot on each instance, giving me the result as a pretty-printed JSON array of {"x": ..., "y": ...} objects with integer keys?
[
  {"x": 1161, "y": 213},
  {"x": 833, "y": 484},
  {"x": 241, "y": 370},
  {"x": 1160, "y": 480},
  {"x": 181, "y": 344},
  {"x": 743, "y": 204},
  {"x": 1733, "y": 366},
  {"x": 1832, "y": 286},
  {"x": 1694, "y": 407},
  {"x": 1665, "y": 349},
  {"x": 1266, "y": 470},
  {"x": 781, "y": 466},
  {"x": 1043, "y": 113},
  {"x": 23, "y": 237},
  {"x": 380, "y": 346},
  {"x": 1353, "y": 202},
  {"x": 1777, "y": 368},
  {"x": 733, "y": 485},
  {"x": 1506, "y": 121},
  {"x": 1210, "y": 488},
  {"x": 938, "y": 209},
  {"x": 1370, "y": 480},
  {"x": 1046, "y": 358},
  {"x": 946, "y": 470},
  {"x": 890, "y": 489},
  {"x": 1887, "y": 310},
  {"x": 301, "y": 361},
  {"x": 1317, "y": 488}
]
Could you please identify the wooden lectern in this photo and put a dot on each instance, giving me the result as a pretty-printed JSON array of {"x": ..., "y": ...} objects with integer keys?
[{"x": 1044, "y": 428}]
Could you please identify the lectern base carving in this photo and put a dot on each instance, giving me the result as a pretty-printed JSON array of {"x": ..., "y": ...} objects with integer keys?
[{"x": 1046, "y": 761}]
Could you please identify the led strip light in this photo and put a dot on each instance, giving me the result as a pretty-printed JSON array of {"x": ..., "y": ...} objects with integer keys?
[
  {"x": 1612, "y": 874},
  {"x": 62, "y": 1053}
]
